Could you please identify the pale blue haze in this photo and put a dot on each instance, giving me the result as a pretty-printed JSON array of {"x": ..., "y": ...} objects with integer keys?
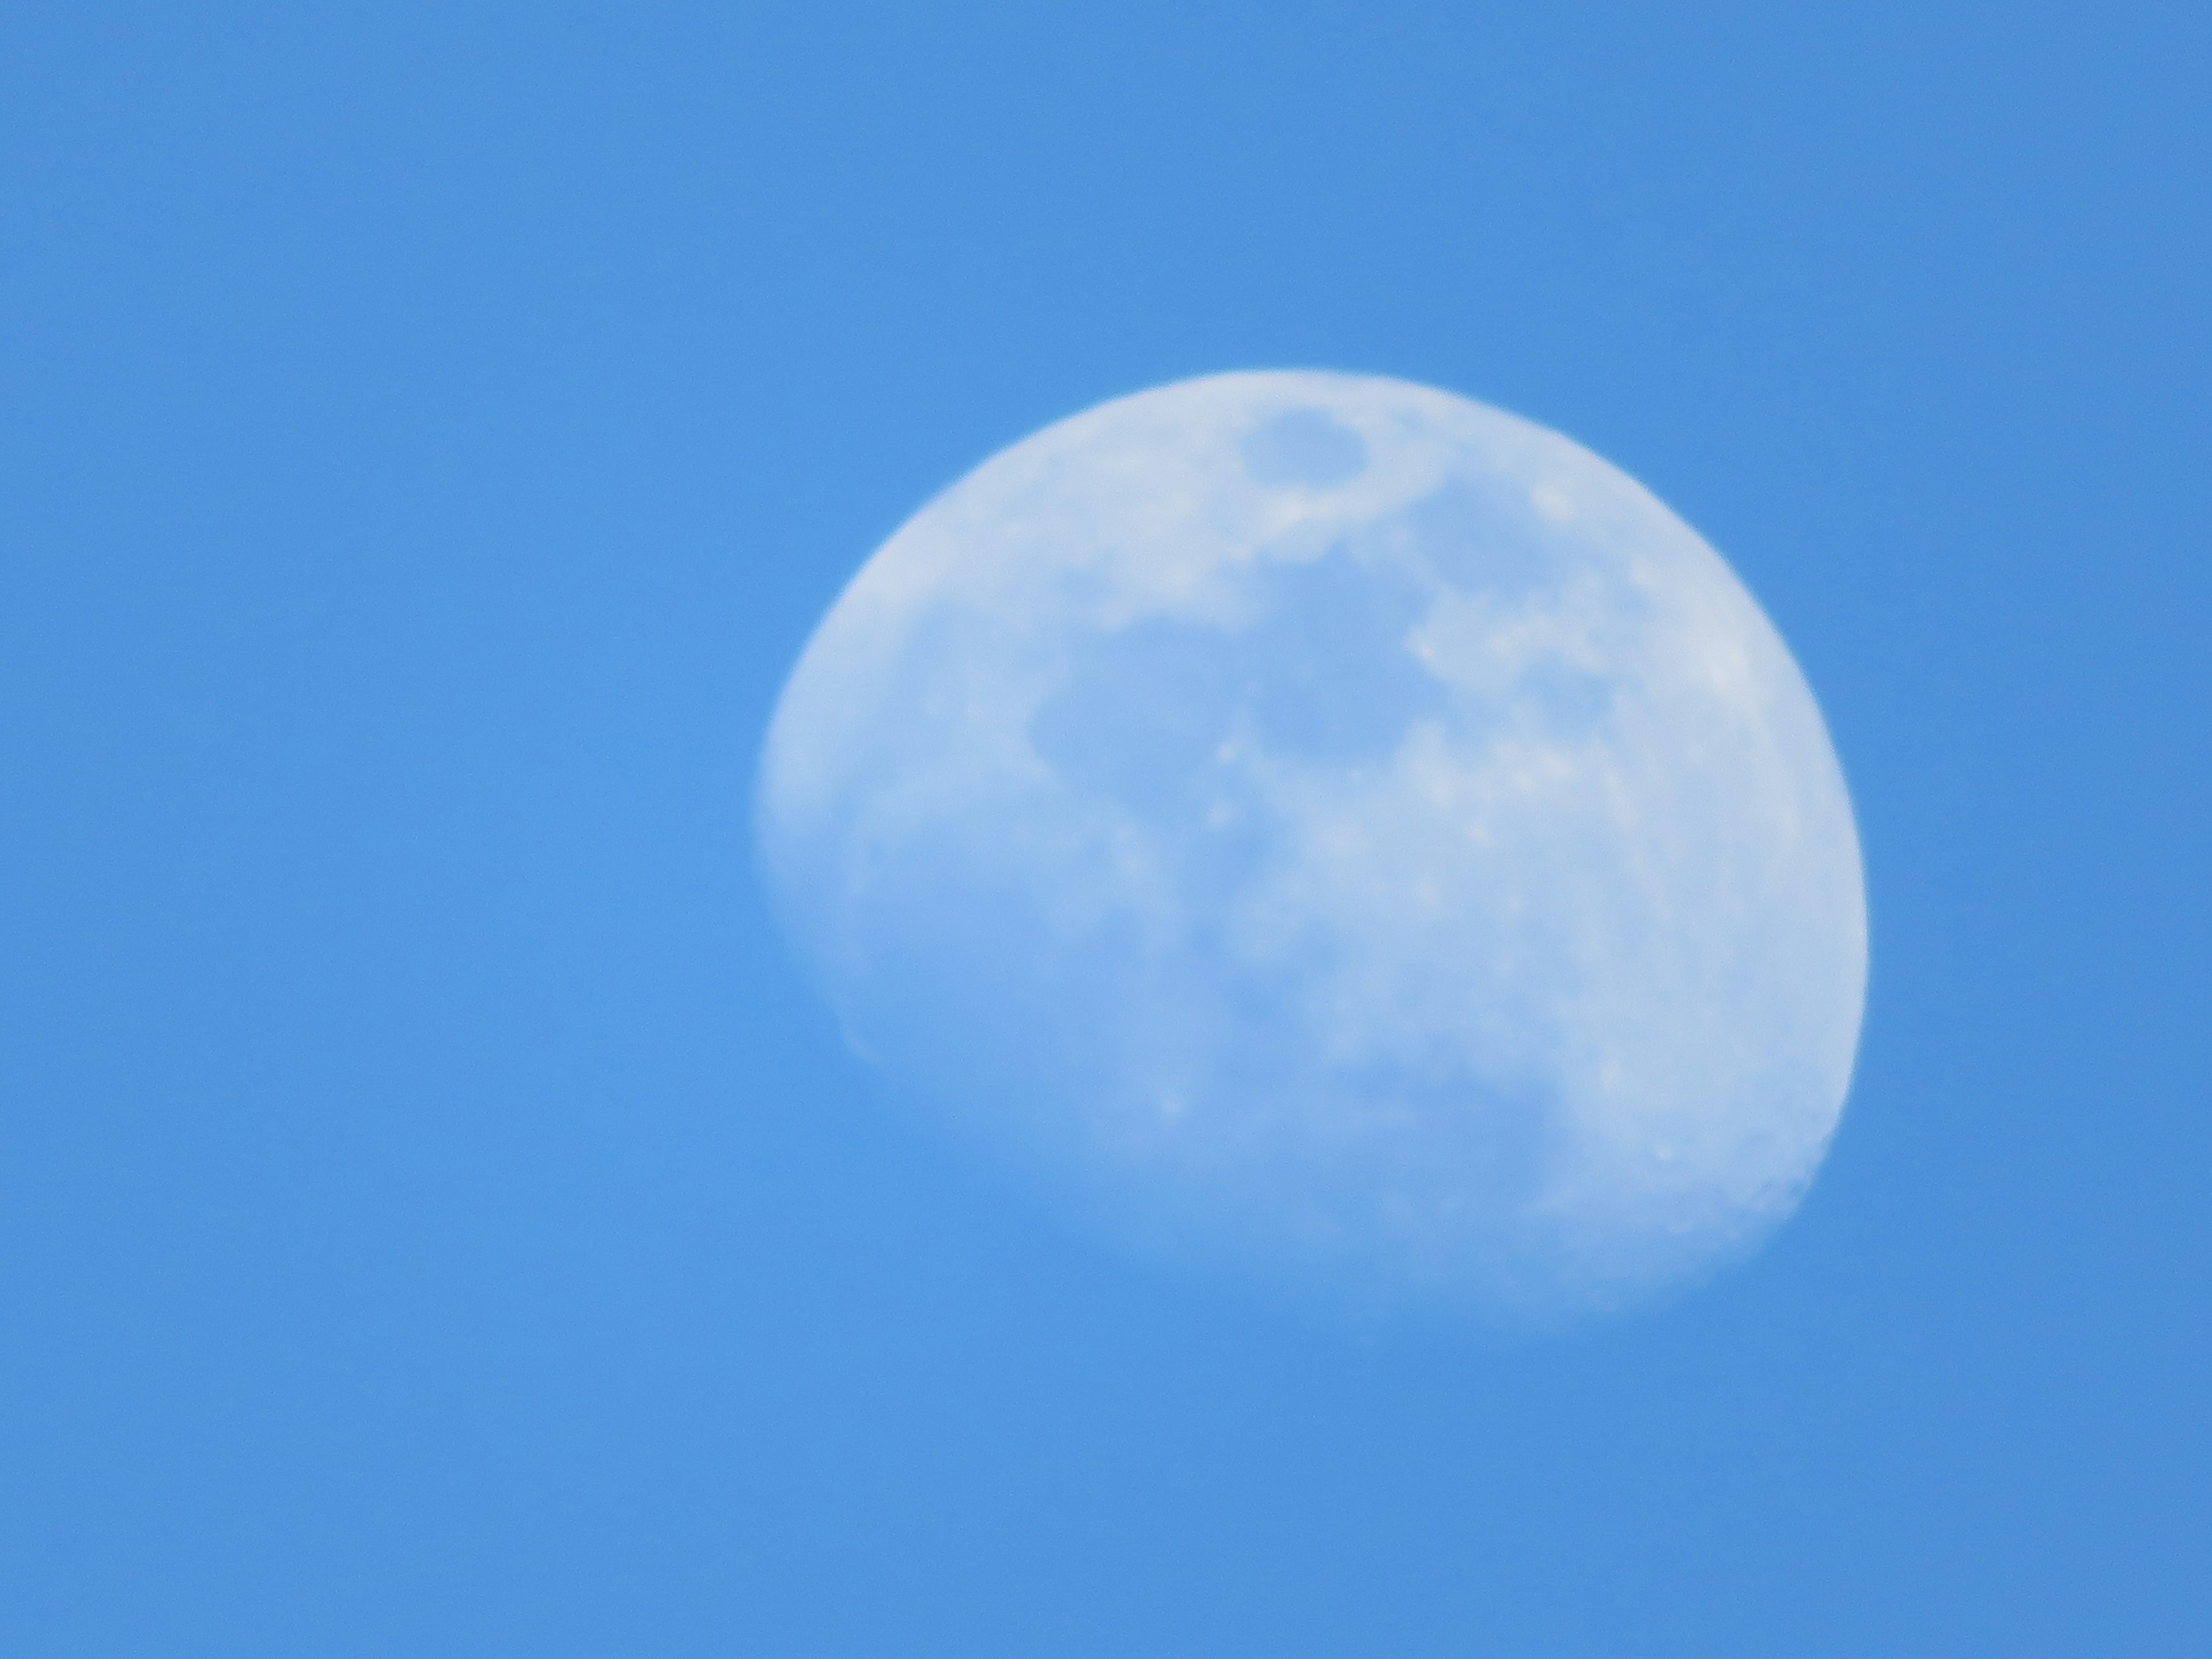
[{"x": 437, "y": 1216}]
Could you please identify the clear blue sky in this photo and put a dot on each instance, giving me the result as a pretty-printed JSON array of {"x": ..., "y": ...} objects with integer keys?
[{"x": 436, "y": 1220}]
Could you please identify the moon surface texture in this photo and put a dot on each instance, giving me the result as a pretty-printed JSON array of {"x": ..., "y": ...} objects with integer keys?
[{"x": 1319, "y": 826}]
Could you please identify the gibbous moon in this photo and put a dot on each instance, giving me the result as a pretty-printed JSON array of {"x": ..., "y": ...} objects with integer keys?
[{"x": 1322, "y": 827}]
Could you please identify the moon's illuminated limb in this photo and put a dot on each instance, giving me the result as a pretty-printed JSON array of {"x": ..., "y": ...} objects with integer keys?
[{"x": 1324, "y": 821}]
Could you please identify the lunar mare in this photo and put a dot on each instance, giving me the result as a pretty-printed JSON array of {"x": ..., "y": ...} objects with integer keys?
[{"x": 1323, "y": 824}]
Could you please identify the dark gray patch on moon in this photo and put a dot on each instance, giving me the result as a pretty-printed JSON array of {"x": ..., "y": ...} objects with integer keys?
[
  {"x": 1481, "y": 545},
  {"x": 1303, "y": 448},
  {"x": 1328, "y": 674},
  {"x": 1569, "y": 701},
  {"x": 1141, "y": 713},
  {"x": 1322, "y": 674}
]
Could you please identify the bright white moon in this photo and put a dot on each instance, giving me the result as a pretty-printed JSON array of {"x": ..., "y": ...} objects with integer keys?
[{"x": 1325, "y": 825}]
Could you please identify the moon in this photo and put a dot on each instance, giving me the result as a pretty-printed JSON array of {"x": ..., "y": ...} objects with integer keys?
[{"x": 1321, "y": 827}]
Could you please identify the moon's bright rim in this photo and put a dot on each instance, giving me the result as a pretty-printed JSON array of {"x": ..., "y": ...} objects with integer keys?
[{"x": 1326, "y": 822}]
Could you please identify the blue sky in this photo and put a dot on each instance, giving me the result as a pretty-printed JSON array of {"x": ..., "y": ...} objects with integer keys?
[{"x": 434, "y": 1219}]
